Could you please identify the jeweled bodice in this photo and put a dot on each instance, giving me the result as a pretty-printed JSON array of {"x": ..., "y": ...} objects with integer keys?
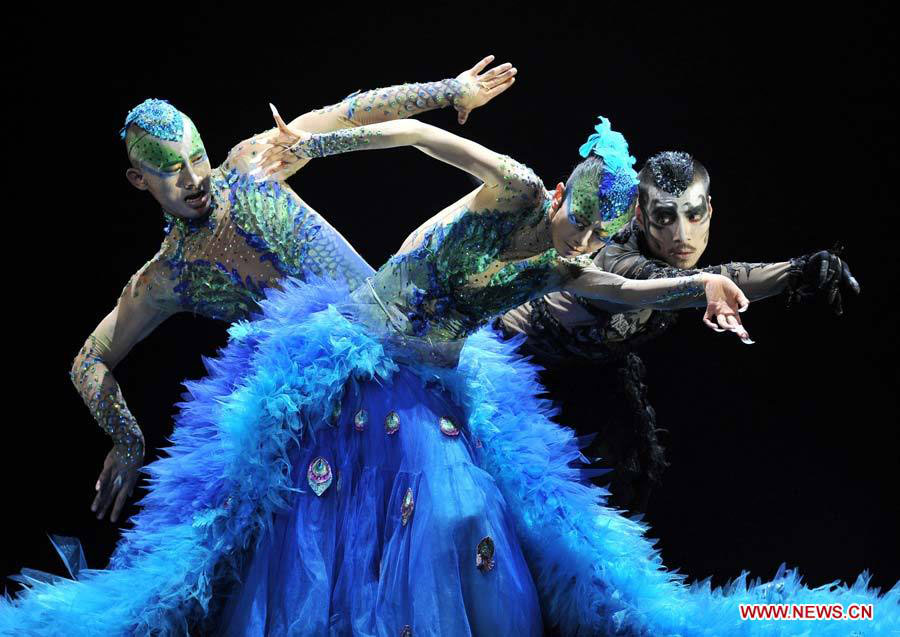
[
  {"x": 255, "y": 234},
  {"x": 479, "y": 264}
]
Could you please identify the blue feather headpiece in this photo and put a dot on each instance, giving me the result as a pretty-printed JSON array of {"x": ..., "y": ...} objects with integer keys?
[{"x": 619, "y": 181}]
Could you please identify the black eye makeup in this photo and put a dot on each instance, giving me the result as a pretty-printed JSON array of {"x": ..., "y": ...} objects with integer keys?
[
  {"x": 666, "y": 215},
  {"x": 697, "y": 213},
  {"x": 663, "y": 216}
]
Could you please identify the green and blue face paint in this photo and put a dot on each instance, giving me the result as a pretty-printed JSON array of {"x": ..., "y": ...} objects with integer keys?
[{"x": 153, "y": 121}]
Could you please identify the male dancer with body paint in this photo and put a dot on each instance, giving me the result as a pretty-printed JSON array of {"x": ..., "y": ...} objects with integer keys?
[
  {"x": 666, "y": 238},
  {"x": 228, "y": 238}
]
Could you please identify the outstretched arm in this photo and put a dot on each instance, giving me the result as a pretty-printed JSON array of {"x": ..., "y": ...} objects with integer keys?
[
  {"x": 133, "y": 318},
  {"x": 757, "y": 280},
  {"x": 722, "y": 298},
  {"x": 463, "y": 153},
  {"x": 822, "y": 273},
  {"x": 467, "y": 91}
]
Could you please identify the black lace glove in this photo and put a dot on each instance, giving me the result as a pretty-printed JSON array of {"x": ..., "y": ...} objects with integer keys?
[{"x": 823, "y": 275}]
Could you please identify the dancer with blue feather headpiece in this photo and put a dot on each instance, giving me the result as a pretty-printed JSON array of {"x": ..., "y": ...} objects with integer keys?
[{"x": 353, "y": 464}]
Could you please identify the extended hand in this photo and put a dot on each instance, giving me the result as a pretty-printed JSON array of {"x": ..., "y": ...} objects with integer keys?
[
  {"x": 267, "y": 156},
  {"x": 824, "y": 274},
  {"x": 724, "y": 301},
  {"x": 478, "y": 90},
  {"x": 276, "y": 161},
  {"x": 115, "y": 484}
]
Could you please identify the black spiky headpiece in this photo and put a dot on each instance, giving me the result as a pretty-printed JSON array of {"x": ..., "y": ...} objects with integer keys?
[{"x": 673, "y": 171}]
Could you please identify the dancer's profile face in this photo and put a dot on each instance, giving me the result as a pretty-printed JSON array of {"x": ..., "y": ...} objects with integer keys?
[
  {"x": 571, "y": 236},
  {"x": 677, "y": 228},
  {"x": 175, "y": 172}
]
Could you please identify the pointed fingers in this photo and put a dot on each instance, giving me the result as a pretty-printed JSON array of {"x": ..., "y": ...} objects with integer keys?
[
  {"x": 282, "y": 127},
  {"x": 710, "y": 313},
  {"x": 480, "y": 66},
  {"x": 498, "y": 79},
  {"x": 108, "y": 500},
  {"x": 124, "y": 491},
  {"x": 492, "y": 74},
  {"x": 98, "y": 500},
  {"x": 494, "y": 92},
  {"x": 276, "y": 116},
  {"x": 723, "y": 322},
  {"x": 101, "y": 487},
  {"x": 734, "y": 325}
]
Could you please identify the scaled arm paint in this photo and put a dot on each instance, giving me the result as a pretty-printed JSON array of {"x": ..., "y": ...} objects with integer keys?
[
  {"x": 136, "y": 315},
  {"x": 376, "y": 106},
  {"x": 381, "y": 105}
]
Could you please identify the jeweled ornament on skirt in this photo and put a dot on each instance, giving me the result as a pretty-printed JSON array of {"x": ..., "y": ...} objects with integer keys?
[
  {"x": 319, "y": 475},
  {"x": 360, "y": 419},
  {"x": 484, "y": 554},
  {"x": 392, "y": 423},
  {"x": 406, "y": 508},
  {"x": 448, "y": 427}
]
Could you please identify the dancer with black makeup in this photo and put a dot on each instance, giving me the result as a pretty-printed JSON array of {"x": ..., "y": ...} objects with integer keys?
[{"x": 574, "y": 338}]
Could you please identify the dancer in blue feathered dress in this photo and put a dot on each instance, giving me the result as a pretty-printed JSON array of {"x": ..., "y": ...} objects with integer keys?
[{"x": 367, "y": 462}]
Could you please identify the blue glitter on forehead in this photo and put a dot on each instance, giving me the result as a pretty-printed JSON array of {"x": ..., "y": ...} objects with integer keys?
[{"x": 157, "y": 117}]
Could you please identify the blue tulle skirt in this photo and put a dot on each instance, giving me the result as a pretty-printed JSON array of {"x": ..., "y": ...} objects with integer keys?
[
  {"x": 317, "y": 485},
  {"x": 391, "y": 540}
]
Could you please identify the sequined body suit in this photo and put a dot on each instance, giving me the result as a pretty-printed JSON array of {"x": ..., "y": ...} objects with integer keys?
[
  {"x": 254, "y": 235},
  {"x": 470, "y": 265},
  {"x": 218, "y": 267}
]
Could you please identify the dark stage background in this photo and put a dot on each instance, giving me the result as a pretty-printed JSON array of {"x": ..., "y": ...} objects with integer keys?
[{"x": 783, "y": 451}]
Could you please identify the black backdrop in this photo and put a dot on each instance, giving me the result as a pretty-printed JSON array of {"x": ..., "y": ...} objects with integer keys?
[{"x": 783, "y": 451}]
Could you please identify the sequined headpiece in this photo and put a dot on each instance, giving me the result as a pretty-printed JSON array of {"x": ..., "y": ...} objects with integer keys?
[
  {"x": 673, "y": 171},
  {"x": 153, "y": 121},
  {"x": 610, "y": 200},
  {"x": 157, "y": 117}
]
